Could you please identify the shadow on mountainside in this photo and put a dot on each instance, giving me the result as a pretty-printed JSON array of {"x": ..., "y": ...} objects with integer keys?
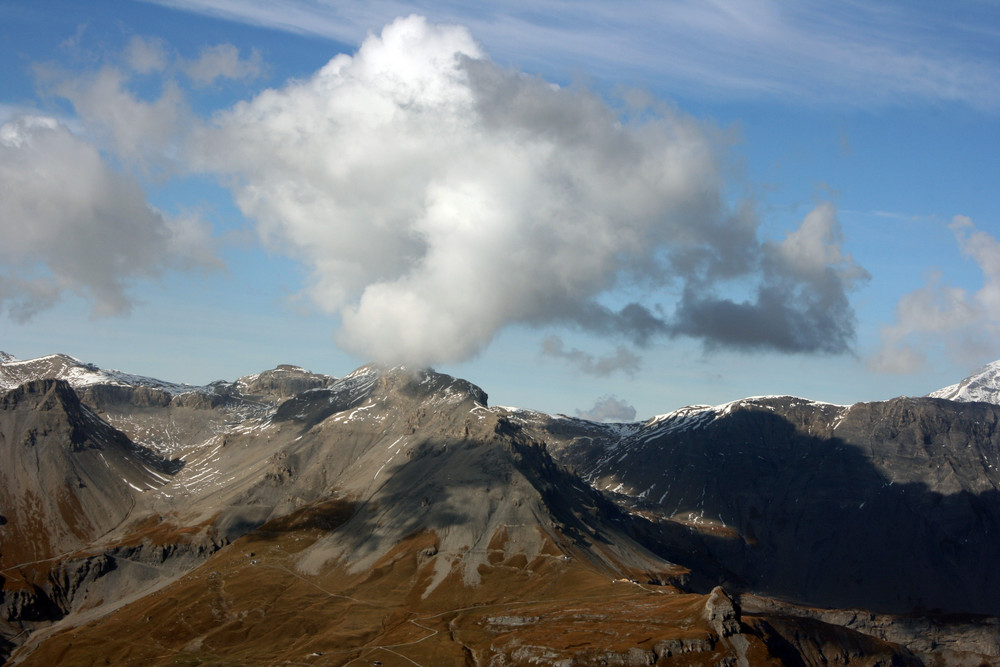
[
  {"x": 464, "y": 490},
  {"x": 490, "y": 490},
  {"x": 808, "y": 519},
  {"x": 819, "y": 523}
]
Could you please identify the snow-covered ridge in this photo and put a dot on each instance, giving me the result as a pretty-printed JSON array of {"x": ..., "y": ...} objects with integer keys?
[
  {"x": 697, "y": 411},
  {"x": 682, "y": 419},
  {"x": 79, "y": 374},
  {"x": 982, "y": 386},
  {"x": 696, "y": 416}
]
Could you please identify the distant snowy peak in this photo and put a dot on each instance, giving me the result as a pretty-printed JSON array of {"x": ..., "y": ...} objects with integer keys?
[
  {"x": 982, "y": 386},
  {"x": 14, "y": 372}
]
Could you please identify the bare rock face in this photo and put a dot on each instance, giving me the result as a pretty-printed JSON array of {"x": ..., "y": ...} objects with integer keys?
[
  {"x": 961, "y": 640},
  {"x": 722, "y": 613},
  {"x": 282, "y": 382},
  {"x": 101, "y": 396}
]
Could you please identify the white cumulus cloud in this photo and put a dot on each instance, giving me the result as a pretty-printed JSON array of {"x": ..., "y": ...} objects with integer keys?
[{"x": 436, "y": 197}]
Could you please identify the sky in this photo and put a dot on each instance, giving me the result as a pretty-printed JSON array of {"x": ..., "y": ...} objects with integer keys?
[{"x": 608, "y": 210}]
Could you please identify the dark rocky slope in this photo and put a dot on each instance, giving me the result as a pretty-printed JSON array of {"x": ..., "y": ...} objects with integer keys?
[{"x": 890, "y": 506}]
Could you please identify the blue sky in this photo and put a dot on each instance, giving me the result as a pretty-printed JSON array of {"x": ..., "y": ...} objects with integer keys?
[{"x": 597, "y": 205}]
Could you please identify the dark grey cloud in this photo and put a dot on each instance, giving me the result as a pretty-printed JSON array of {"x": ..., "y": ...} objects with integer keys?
[
  {"x": 774, "y": 320},
  {"x": 799, "y": 300},
  {"x": 634, "y": 322}
]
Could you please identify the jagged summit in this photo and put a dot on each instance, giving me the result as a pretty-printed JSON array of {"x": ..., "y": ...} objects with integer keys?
[
  {"x": 418, "y": 383},
  {"x": 982, "y": 386},
  {"x": 396, "y": 383}
]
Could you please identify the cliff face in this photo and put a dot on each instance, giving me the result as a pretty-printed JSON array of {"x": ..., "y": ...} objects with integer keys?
[{"x": 66, "y": 476}]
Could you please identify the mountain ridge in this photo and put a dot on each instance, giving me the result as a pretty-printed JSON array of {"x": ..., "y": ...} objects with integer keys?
[{"x": 403, "y": 490}]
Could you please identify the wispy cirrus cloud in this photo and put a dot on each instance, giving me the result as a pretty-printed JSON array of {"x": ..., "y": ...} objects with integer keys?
[{"x": 846, "y": 53}]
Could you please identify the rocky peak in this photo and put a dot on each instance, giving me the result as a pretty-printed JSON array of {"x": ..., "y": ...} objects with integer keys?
[
  {"x": 66, "y": 476},
  {"x": 282, "y": 382},
  {"x": 426, "y": 383},
  {"x": 399, "y": 385},
  {"x": 14, "y": 371},
  {"x": 49, "y": 405},
  {"x": 44, "y": 393},
  {"x": 81, "y": 375}
]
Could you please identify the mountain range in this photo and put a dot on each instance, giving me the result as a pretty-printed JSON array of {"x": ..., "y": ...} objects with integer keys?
[{"x": 392, "y": 516}]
